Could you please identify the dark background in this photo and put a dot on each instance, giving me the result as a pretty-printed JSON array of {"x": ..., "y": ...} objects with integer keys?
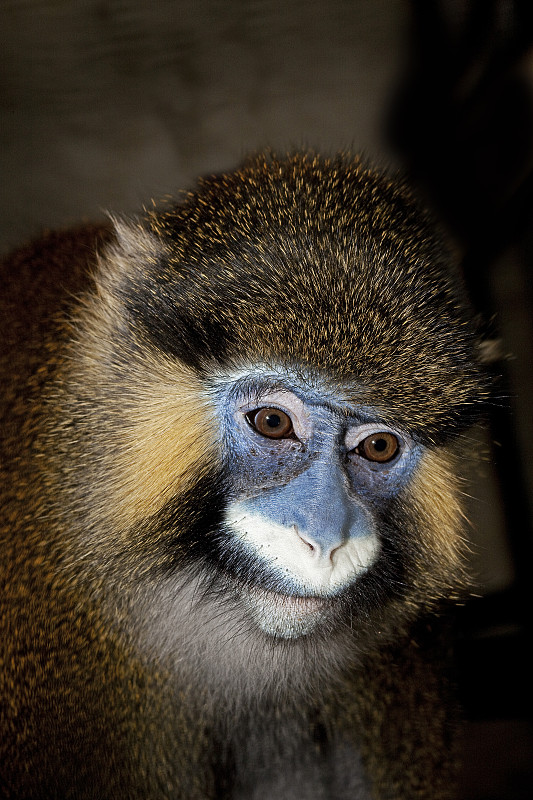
[{"x": 106, "y": 104}]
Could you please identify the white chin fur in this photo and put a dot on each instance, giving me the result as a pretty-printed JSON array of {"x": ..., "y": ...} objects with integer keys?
[{"x": 291, "y": 560}]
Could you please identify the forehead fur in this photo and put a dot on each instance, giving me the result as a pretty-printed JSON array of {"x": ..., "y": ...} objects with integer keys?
[{"x": 314, "y": 262}]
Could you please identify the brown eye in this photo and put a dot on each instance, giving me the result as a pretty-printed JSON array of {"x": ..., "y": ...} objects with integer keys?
[
  {"x": 380, "y": 447},
  {"x": 271, "y": 422}
]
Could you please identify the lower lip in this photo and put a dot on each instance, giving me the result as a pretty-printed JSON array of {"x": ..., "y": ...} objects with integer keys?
[{"x": 291, "y": 604}]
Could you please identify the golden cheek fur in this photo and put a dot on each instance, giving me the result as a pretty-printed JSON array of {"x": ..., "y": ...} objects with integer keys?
[
  {"x": 164, "y": 446},
  {"x": 436, "y": 509},
  {"x": 153, "y": 420}
]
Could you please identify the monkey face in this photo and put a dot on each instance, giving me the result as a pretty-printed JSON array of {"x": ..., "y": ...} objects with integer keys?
[
  {"x": 308, "y": 472},
  {"x": 269, "y": 383}
]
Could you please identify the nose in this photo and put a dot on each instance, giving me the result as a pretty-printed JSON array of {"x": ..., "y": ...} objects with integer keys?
[{"x": 317, "y": 505}]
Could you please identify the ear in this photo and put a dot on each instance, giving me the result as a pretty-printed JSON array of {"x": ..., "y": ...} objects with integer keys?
[
  {"x": 490, "y": 351},
  {"x": 134, "y": 247}
]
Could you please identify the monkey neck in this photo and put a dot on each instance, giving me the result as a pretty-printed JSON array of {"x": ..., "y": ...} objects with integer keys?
[{"x": 197, "y": 638}]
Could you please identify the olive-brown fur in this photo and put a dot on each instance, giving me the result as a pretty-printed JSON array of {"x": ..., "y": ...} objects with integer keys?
[{"x": 108, "y": 337}]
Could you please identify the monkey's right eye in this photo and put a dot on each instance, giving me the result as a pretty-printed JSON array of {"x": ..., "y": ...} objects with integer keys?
[{"x": 271, "y": 422}]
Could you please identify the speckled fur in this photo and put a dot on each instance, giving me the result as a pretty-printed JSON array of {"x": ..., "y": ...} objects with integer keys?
[{"x": 124, "y": 676}]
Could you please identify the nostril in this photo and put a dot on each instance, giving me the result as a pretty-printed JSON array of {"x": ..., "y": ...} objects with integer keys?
[
  {"x": 309, "y": 542},
  {"x": 333, "y": 551}
]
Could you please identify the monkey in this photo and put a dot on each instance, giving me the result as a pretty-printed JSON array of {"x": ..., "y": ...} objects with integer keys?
[{"x": 234, "y": 429}]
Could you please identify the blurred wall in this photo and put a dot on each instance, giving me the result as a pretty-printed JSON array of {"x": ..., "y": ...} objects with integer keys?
[{"x": 107, "y": 103}]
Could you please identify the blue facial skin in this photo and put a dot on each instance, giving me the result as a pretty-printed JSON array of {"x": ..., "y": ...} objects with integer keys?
[
  {"x": 329, "y": 492},
  {"x": 319, "y": 503}
]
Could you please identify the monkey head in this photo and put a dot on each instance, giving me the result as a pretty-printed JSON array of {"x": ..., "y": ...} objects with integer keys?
[{"x": 265, "y": 400}]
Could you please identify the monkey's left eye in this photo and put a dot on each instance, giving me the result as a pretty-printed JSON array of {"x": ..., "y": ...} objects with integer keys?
[
  {"x": 271, "y": 422},
  {"x": 380, "y": 447}
]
